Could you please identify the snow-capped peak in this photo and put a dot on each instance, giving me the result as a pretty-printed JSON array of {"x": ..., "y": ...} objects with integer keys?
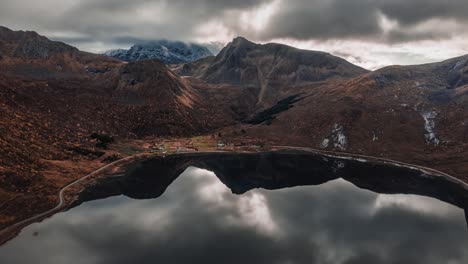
[{"x": 169, "y": 52}]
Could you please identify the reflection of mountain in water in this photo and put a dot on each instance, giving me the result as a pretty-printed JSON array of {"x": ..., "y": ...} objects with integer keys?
[{"x": 275, "y": 170}]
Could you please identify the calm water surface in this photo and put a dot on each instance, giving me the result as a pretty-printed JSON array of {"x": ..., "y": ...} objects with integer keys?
[{"x": 198, "y": 219}]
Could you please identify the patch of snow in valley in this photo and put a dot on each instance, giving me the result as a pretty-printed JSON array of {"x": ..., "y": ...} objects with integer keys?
[
  {"x": 429, "y": 126},
  {"x": 325, "y": 143},
  {"x": 165, "y": 51},
  {"x": 340, "y": 141},
  {"x": 405, "y": 105},
  {"x": 337, "y": 138}
]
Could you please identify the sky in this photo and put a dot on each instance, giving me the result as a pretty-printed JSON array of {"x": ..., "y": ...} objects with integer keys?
[{"x": 370, "y": 33}]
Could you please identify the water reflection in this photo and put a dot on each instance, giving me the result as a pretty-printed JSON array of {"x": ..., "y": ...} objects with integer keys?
[{"x": 198, "y": 219}]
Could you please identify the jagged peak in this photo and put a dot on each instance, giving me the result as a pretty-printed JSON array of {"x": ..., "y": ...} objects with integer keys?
[
  {"x": 237, "y": 45},
  {"x": 241, "y": 41}
]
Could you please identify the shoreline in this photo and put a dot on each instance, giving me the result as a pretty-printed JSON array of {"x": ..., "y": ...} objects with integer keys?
[{"x": 13, "y": 230}]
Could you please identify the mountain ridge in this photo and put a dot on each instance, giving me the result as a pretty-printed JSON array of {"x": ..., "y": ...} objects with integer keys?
[
  {"x": 169, "y": 52},
  {"x": 30, "y": 45},
  {"x": 267, "y": 66}
]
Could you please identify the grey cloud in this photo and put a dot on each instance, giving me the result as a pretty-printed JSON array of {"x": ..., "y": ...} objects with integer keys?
[
  {"x": 360, "y": 19},
  {"x": 416, "y": 11},
  {"x": 175, "y": 19},
  {"x": 208, "y": 5},
  {"x": 111, "y": 21},
  {"x": 398, "y": 36},
  {"x": 304, "y": 19}
]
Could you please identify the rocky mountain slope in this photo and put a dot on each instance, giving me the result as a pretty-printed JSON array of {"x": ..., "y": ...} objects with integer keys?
[
  {"x": 29, "y": 45},
  {"x": 411, "y": 113},
  {"x": 169, "y": 52},
  {"x": 269, "y": 67},
  {"x": 53, "y": 97}
]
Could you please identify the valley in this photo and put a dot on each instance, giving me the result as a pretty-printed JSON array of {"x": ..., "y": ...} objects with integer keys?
[{"x": 66, "y": 113}]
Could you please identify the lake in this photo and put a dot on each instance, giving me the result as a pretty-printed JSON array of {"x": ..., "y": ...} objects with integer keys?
[{"x": 287, "y": 207}]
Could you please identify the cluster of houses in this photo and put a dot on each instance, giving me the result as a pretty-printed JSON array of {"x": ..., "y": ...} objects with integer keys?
[{"x": 160, "y": 148}]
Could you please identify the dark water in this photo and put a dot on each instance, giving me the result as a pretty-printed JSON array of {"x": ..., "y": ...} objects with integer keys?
[{"x": 313, "y": 213}]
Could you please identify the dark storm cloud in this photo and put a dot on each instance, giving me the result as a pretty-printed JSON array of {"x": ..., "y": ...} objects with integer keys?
[
  {"x": 121, "y": 22},
  {"x": 208, "y": 5},
  {"x": 397, "y": 36},
  {"x": 416, "y": 11},
  {"x": 338, "y": 19},
  {"x": 305, "y": 19},
  {"x": 111, "y": 21}
]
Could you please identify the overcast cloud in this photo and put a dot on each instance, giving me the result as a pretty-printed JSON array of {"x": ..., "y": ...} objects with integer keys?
[{"x": 397, "y": 31}]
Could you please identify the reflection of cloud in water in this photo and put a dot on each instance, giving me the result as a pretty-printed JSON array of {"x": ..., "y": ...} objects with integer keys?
[
  {"x": 199, "y": 220},
  {"x": 426, "y": 205},
  {"x": 210, "y": 188},
  {"x": 118, "y": 211},
  {"x": 256, "y": 213},
  {"x": 252, "y": 209}
]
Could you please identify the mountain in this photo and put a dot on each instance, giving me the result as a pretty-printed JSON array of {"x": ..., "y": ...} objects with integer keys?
[
  {"x": 169, "y": 52},
  {"x": 265, "y": 79},
  {"x": 291, "y": 96},
  {"x": 270, "y": 66},
  {"x": 29, "y": 45},
  {"x": 27, "y": 54},
  {"x": 53, "y": 97},
  {"x": 415, "y": 114}
]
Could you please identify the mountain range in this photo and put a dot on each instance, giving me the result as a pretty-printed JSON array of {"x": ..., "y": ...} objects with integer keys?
[
  {"x": 169, "y": 52},
  {"x": 54, "y": 96}
]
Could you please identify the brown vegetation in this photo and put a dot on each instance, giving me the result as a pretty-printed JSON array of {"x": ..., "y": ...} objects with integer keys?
[{"x": 53, "y": 97}]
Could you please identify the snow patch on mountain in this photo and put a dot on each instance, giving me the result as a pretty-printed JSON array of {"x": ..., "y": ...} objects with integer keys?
[
  {"x": 337, "y": 138},
  {"x": 429, "y": 126},
  {"x": 375, "y": 137},
  {"x": 325, "y": 143},
  {"x": 115, "y": 52},
  {"x": 169, "y": 52}
]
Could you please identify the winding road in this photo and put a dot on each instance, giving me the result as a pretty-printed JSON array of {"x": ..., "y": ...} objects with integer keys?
[
  {"x": 365, "y": 158},
  {"x": 7, "y": 232}
]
